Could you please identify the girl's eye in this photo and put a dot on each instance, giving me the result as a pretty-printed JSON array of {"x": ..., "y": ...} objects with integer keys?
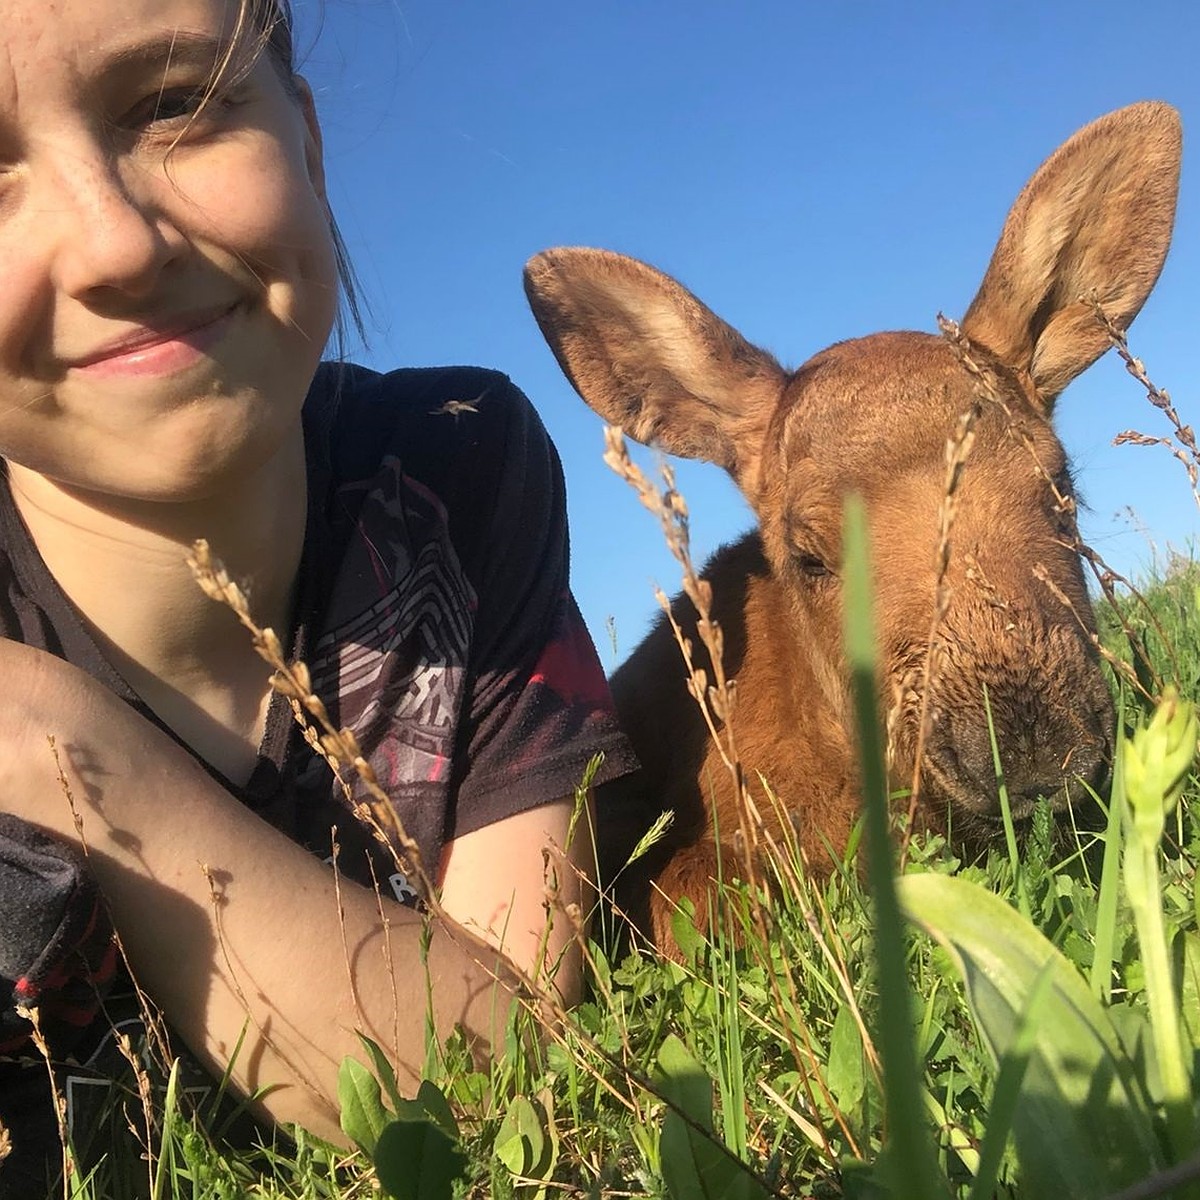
[
  {"x": 174, "y": 103},
  {"x": 174, "y": 108},
  {"x": 166, "y": 106}
]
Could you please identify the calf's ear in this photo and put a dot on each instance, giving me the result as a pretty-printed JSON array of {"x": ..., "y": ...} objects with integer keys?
[
  {"x": 1096, "y": 220},
  {"x": 648, "y": 356}
]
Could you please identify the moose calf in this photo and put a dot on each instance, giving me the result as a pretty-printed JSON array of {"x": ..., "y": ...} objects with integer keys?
[{"x": 874, "y": 415}]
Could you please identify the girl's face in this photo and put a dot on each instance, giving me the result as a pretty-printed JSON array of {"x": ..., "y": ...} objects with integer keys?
[{"x": 167, "y": 274}]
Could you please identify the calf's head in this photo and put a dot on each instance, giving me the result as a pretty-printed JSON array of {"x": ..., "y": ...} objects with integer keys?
[{"x": 875, "y": 415}]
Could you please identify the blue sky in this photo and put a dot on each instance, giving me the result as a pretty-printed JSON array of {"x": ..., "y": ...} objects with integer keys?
[{"x": 812, "y": 171}]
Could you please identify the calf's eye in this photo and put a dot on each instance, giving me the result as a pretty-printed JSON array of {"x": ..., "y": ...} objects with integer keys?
[{"x": 811, "y": 565}]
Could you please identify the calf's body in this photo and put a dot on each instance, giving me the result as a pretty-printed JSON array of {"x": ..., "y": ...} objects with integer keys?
[{"x": 875, "y": 416}]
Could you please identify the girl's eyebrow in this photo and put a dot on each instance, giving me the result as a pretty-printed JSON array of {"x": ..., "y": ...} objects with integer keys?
[{"x": 172, "y": 47}]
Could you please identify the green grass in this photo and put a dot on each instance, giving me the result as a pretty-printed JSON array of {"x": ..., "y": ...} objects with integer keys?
[{"x": 763, "y": 1052}]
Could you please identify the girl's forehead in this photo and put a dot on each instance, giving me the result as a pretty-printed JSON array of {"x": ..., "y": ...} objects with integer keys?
[
  {"x": 84, "y": 34},
  {"x": 54, "y": 53}
]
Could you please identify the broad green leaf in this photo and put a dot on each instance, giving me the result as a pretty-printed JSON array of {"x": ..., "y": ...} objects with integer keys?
[
  {"x": 845, "y": 1075},
  {"x": 1082, "y": 1125},
  {"x": 862, "y": 1180},
  {"x": 415, "y": 1160},
  {"x": 383, "y": 1069},
  {"x": 684, "y": 1081},
  {"x": 683, "y": 929},
  {"x": 694, "y": 1165},
  {"x": 437, "y": 1108},
  {"x": 363, "y": 1116},
  {"x": 520, "y": 1144},
  {"x": 1187, "y": 948},
  {"x": 1006, "y": 1094}
]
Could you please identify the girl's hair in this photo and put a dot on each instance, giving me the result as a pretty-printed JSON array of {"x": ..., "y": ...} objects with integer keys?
[{"x": 268, "y": 26}]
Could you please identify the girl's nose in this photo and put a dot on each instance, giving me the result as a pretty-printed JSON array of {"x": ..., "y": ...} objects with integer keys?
[{"x": 110, "y": 240}]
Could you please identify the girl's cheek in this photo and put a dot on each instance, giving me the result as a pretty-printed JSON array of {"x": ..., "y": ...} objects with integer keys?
[
  {"x": 25, "y": 307},
  {"x": 257, "y": 190}
]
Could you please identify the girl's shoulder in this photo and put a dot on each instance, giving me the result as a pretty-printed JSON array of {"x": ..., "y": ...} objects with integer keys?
[
  {"x": 438, "y": 421},
  {"x": 432, "y": 401},
  {"x": 461, "y": 444}
]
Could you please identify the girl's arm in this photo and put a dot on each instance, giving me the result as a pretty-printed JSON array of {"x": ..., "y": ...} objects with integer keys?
[{"x": 228, "y": 924}]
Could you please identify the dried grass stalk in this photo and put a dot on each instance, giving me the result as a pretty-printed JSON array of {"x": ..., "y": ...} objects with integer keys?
[
  {"x": 1183, "y": 445},
  {"x": 336, "y": 746}
]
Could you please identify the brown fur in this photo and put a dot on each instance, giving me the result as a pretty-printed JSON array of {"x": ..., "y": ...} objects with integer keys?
[{"x": 874, "y": 415}]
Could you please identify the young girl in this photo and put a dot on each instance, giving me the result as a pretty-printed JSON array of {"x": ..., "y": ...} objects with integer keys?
[{"x": 170, "y": 277}]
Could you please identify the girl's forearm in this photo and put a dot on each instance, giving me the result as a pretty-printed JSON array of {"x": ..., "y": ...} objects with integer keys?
[{"x": 227, "y": 924}]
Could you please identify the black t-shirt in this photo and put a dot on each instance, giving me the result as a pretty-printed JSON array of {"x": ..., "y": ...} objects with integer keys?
[{"x": 434, "y": 614}]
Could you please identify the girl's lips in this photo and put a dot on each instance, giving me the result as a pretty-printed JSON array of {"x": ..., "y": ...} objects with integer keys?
[{"x": 156, "y": 354}]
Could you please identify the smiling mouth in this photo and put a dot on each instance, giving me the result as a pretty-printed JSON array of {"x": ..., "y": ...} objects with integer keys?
[{"x": 158, "y": 351}]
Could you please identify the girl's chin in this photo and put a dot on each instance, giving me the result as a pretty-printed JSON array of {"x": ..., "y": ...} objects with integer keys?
[{"x": 198, "y": 463}]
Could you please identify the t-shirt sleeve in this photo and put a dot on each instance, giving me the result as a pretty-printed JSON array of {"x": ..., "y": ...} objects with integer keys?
[
  {"x": 444, "y": 634},
  {"x": 538, "y": 705}
]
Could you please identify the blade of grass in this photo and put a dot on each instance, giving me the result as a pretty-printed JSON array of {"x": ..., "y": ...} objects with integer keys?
[
  {"x": 729, "y": 1038},
  {"x": 1010, "y": 833},
  {"x": 1110, "y": 885},
  {"x": 912, "y": 1161}
]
